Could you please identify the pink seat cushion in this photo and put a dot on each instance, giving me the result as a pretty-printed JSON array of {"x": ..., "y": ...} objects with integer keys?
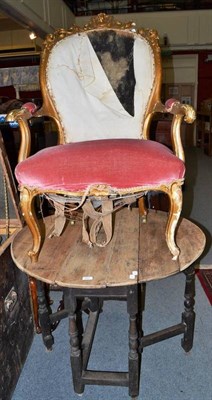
[{"x": 119, "y": 163}]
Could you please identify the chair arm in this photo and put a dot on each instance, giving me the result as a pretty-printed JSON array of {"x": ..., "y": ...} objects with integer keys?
[
  {"x": 173, "y": 106},
  {"x": 180, "y": 112},
  {"x": 22, "y": 115}
]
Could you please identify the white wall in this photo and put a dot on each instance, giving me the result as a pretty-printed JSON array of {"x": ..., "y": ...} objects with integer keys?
[
  {"x": 42, "y": 16},
  {"x": 15, "y": 39},
  {"x": 180, "y": 68},
  {"x": 184, "y": 29}
]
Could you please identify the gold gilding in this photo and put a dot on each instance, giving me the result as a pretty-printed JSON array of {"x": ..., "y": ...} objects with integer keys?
[{"x": 179, "y": 112}]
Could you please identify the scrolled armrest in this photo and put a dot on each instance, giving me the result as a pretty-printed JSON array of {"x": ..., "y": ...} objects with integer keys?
[
  {"x": 25, "y": 112},
  {"x": 179, "y": 112},
  {"x": 173, "y": 106},
  {"x": 22, "y": 115}
]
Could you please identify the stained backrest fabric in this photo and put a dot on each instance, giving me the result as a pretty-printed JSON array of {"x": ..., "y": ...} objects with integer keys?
[{"x": 100, "y": 83}]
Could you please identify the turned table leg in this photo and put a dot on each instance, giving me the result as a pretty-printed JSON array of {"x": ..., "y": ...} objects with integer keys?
[
  {"x": 44, "y": 316},
  {"x": 188, "y": 316},
  {"x": 76, "y": 353},
  {"x": 133, "y": 356}
]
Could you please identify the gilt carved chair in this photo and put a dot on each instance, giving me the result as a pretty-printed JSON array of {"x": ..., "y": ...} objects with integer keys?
[{"x": 101, "y": 85}]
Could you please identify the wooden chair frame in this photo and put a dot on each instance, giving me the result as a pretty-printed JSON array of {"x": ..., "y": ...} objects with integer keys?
[{"x": 179, "y": 112}]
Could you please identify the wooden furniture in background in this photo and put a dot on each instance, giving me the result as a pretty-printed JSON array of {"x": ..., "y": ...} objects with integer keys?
[
  {"x": 10, "y": 218},
  {"x": 16, "y": 321},
  {"x": 204, "y": 126},
  {"x": 160, "y": 131}
]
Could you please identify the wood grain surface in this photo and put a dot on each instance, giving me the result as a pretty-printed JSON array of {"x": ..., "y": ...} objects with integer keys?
[{"x": 137, "y": 252}]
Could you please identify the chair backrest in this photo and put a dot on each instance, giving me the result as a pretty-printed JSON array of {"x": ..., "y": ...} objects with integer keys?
[{"x": 101, "y": 81}]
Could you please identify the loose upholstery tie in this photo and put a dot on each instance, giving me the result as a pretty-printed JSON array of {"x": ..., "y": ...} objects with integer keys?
[
  {"x": 93, "y": 221},
  {"x": 98, "y": 219}
]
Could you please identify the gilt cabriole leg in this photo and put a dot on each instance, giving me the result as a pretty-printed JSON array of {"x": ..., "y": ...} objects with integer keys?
[
  {"x": 142, "y": 209},
  {"x": 27, "y": 199},
  {"x": 175, "y": 197}
]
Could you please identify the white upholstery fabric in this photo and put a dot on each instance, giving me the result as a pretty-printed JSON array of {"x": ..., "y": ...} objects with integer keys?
[{"x": 84, "y": 98}]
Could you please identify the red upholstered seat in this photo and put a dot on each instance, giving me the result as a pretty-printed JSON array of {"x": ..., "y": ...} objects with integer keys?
[
  {"x": 101, "y": 86},
  {"x": 119, "y": 163}
]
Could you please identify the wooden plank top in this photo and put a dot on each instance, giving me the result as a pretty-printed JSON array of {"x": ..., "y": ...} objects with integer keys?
[
  {"x": 68, "y": 262},
  {"x": 155, "y": 260},
  {"x": 137, "y": 252}
]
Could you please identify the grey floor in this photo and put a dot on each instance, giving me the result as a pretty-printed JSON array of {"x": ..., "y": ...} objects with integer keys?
[
  {"x": 167, "y": 372},
  {"x": 197, "y": 196}
]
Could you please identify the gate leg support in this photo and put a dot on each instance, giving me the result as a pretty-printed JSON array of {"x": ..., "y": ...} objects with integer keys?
[
  {"x": 133, "y": 356},
  {"x": 76, "y": 354},
  {"x": 44, "y": 318},
  {"x": 188, "y": 316}
]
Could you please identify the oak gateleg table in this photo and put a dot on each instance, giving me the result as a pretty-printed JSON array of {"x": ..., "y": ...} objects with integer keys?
[{"x": 87, "y": 277}]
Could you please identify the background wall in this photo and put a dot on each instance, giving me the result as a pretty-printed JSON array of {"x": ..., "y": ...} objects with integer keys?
[
  {"x": 41, "y": 16},
  {"x": 189, "y": 42},
  {"x": 188, "y": 32},
  {"x": 183, "y": 29},
  {"x": 204, "y": 76}
]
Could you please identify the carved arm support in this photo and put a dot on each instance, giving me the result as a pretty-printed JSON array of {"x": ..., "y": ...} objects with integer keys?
[
  {"x": 180, "y": 112},
  {"x": 22, "y": 116}
]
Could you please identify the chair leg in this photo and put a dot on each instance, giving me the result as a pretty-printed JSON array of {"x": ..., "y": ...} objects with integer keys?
[
  {"x": 188, "y": 316},
  {"x": 142, "y": 209},
  {"x": 27, "y": 205},
  {"x": 175, "y": 197}
]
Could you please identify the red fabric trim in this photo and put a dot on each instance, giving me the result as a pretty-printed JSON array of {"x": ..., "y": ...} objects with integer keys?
[
  {"x": 31, "y": 107},
  {"x": 169, "y": 103},
  {"x": 119, "y": 163},
  {"x": 205, "y": 285}
]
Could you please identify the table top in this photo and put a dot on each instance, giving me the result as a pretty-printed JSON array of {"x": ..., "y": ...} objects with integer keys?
[{"x": 137, "y": 252}]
